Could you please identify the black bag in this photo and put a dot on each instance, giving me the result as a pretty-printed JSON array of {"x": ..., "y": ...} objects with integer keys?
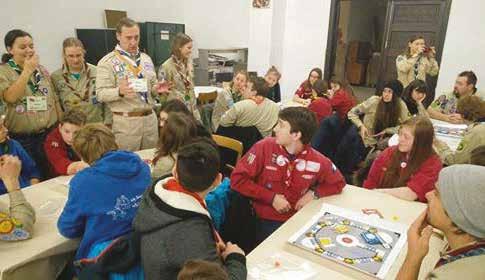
[
  {"x": 241, "y": 224},
  {"x": 119, "y": 257}
]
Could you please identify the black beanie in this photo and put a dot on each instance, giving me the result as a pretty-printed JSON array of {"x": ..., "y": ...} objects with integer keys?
[{"x": 396, "y": 87}]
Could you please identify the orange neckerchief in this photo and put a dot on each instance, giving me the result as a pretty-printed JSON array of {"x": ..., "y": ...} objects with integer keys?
[
  {"x": 173, "y": 185},
  {"x": 257, "y": 99}
]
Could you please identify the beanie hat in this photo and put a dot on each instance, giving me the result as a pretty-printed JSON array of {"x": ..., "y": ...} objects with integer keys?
[
  {"x": 462, "y": 193},
  {"x": 396, "y": 87}
]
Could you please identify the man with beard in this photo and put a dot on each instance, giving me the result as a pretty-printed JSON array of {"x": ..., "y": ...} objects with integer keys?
[
  {"x": 444, "y": 107},
  {"x": 455, "y": 208}
]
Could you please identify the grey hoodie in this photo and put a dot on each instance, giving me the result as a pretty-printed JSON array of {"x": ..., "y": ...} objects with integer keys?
[{"x": 175, "y": 228}]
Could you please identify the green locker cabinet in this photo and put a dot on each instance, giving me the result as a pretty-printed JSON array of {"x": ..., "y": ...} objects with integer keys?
[{"x": 156, "y": 39}]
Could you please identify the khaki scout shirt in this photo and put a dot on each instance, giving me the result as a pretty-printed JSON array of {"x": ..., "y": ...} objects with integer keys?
[
  {"x": 18, "y": 118},
  {"x": 109, "y": 72},
  {"x": 448, "y": 103},
  {"x": 405, "y": 68},
  {"x": 81, "y": 93},
  {"x": 247, "y": 113},
  {"x": 178, "y": 90},
  {"x": 473, "y": 138},
  {"x": 368, "y": 108}
]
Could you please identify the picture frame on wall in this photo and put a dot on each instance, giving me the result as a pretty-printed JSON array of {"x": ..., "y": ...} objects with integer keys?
[{"x": 261, "y": 4}]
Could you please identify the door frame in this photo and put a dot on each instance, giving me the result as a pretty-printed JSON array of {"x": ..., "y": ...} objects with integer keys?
[{"x": 332, "y": 37}]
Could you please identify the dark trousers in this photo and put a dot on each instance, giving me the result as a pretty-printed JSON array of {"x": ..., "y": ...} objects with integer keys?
[
  {"x": 34, "y": 146},
  {"x": 266, "y": 228}
]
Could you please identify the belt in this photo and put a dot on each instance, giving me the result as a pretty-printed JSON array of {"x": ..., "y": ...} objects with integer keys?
[{"x": 134, "y": 114}]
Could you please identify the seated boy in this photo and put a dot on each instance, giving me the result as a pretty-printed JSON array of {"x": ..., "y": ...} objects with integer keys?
[
  {"x": 57, "y": 146},
  {"x": 282, "y": 174},
  {"x": 256, "y": 110},
  {"x": 456, "y": 208},
  {"x": 173, "y": 220},
  {"x": 103, "y": 198},
  {"x": 29, "y": 173},
  {"x": 18, "y": 223}
]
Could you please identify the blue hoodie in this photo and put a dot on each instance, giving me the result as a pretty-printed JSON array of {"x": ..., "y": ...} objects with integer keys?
[{"x": 103, "y": 199}]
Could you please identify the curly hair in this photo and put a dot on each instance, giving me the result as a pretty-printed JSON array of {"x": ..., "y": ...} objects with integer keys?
[{"x": 471, "y": 107}]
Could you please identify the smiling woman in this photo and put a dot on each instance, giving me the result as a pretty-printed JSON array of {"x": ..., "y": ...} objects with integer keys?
[{"x": 31, "y": 102}]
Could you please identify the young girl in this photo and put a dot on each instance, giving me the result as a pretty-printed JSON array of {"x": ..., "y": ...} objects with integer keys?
[
  {"x": 178, "y": 130},
  {"x": 303, "y": 94},
  {"x": 340, "y": 99},
  {"x": 414, "y": 95},
  {"x": 273, "y": 77},
  {"x": 320, "y": 105},
  {"x": 417, "y": 62},
  {"x": 410, "y": 169},
  {"x": 229, "y": 96}
]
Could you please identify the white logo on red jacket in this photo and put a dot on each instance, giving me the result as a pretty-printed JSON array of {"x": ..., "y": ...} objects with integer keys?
[{"x": 312, "y": 166}]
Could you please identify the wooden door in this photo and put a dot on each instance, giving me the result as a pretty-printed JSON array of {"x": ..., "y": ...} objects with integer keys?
[{"x": 408, "y": 18}]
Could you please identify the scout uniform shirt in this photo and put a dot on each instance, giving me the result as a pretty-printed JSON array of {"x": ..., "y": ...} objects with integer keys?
[
  {"x": 225, "y": 100},
  {"x": 412, "y": 68},
  {"x": 268, "y": 169},
  {"x": 447, "y": 103},
  {"x": 473, "y": 138},
  {"x": 182, "y": 77},
  {"x": 116, "y": 66},
  {"x": 38, "y": 109},
  {"x": 79, "y": 91}
]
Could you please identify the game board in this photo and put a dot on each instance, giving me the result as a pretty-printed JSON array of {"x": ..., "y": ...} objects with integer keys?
[{"x": 368, "y": 244}]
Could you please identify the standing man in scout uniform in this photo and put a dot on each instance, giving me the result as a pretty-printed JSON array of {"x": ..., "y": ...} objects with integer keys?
[
  {"x": 125, "y": 81},
  {"x": 75, "y": 83},
  {"x": 32, "y": 107}
]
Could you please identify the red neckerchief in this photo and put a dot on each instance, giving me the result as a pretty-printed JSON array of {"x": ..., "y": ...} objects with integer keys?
[
  {"x": 257, "y": 99},
  {"x": 292, "y": 162},
  {"x": 173, "y": 185},
  {"x": 453, "y": 253}
]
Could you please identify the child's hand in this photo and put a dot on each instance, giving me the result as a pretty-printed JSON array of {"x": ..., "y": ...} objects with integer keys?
[
  {"x": 280, "y": 204},
  {"x": 232, "y": 248}
]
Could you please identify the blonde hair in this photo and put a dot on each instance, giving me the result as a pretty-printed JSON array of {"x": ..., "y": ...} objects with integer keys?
[
  {"x": 92, "y": 141},
  {"x": 72, "y": 42},
  {"x": 273, "y": 70}
]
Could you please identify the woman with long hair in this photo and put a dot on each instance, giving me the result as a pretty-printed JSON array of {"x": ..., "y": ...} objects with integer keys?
[
  {"x": 32, "y": 105},
  {"x": 410, "y": 169},
  {"x": 472, "y": 109},
  {"x": 303, "y": 94},
  {"x": 179, "y": 71},
  {"x": 416, "y": 62},
  {"x": 75, "y": 83},
  {"x": 178, "y": 130},
  {"x": 414, "y": 95},
  {"x": 230, "y": 95},
  {"x": 381, "y": 114},
  {"x": 341, "y": 99}
]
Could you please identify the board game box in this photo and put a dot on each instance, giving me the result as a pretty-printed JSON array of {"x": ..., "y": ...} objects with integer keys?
[{"x": 365, "y": 243}]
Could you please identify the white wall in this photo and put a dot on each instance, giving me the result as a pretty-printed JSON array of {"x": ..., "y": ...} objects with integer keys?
[
  {"x": 305, "y": 41},
  {"x": 464, "y": 47},
  {"x": 212, "y": 24},
  {"x": 260, "y": 27}
]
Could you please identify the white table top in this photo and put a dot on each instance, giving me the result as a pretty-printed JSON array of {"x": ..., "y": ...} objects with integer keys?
[{"x": 356, "y": 199}]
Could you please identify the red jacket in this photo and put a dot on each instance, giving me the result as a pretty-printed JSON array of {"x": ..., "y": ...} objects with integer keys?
[
  {"x": 321, "y": 107},
  {"x": 266, "y": 171},
  {"x": 421, "y": 182},
  {"x": 57, "y": 153},
  {"x": 303, "y": 91},
  {"x": 342, "y": 102}
]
